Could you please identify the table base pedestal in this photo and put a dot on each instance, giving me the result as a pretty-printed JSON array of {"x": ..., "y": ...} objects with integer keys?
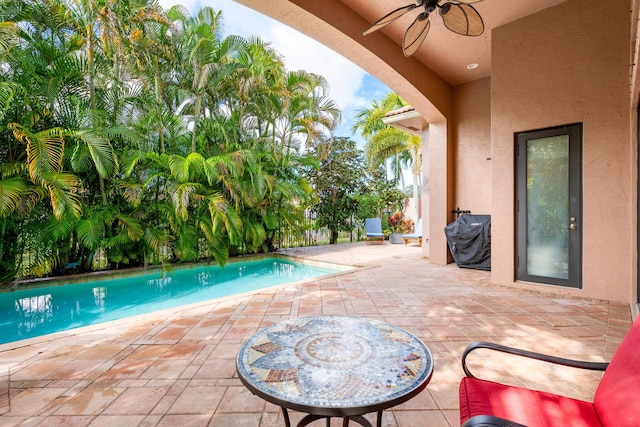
[{"x": 345, "y": 420}]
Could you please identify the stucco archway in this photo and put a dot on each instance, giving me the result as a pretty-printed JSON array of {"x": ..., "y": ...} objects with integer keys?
[{"x": 336, "y": 26}]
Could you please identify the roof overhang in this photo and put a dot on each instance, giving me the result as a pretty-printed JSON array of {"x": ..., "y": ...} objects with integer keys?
[{"x": 406, "y": 119}]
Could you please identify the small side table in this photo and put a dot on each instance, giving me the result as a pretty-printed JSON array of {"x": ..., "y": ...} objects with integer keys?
[{"x": 334, "y": 366}]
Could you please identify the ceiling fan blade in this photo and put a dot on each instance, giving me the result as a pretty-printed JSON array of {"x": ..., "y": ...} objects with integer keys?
[
  {"x": 415, "y": 34},
  {"x": 389, "y": 18},
  {"x": 462, "y": 19},
  {"x": 468, "y": 1}
]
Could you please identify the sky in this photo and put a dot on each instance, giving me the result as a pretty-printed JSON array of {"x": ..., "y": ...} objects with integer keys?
[{"x": 351, "y": 87}]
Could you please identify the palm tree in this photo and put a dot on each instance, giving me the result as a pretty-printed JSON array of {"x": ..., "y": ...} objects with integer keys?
[
  {"x": 385, "y": 142},
  {"x": 145, "y": 135},
  {"x": 369, "y": 120}
]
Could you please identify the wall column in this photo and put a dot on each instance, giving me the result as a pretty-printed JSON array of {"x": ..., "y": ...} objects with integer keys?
[{"x": 436, "y": 191}]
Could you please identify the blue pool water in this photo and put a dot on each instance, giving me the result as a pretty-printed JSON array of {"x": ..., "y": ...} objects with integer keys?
[{"x": 39, "y": 311}]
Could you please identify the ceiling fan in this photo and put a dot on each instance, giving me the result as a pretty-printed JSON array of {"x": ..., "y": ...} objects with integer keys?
[{"x": 458, "y": 16}]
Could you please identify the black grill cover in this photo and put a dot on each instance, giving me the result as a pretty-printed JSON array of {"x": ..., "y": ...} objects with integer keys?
[{"x": 469, "y": 239}]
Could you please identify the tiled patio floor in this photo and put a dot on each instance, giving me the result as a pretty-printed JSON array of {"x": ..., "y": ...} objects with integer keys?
[{"x": 177, "y": 367}]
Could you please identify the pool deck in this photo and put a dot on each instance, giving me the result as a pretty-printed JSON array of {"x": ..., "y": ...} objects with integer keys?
[{"x": 177, "y": 367}]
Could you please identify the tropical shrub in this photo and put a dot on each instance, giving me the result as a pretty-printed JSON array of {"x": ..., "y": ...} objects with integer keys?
[{"x": 131, "y": 135}]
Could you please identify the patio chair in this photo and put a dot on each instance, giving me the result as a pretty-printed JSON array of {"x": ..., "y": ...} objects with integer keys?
[
  {"x": 616, "y": 401},
  {"x": 416, "y": 235},
  {"x": 71, "y": 266},
  {"x": 373, "y": 230}
]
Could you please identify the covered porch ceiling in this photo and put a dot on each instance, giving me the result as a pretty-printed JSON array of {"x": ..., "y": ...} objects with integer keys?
[
  {"x": 445, "y": 53},
  {"x": 426, "y": 79}
]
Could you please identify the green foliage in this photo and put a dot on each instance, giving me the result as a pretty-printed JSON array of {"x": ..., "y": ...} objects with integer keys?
[
  {"x": 385, "y": 142},
  {"x": 369, "y": 206},
  {"x": 146, "y": 136},
  {"x": 338, "y": 179},
  {"x": 378, "y": 197}
]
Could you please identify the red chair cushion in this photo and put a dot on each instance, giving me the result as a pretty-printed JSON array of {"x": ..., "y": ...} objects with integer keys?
[
  {"x": 617, "y": 399},
  {"x": 529, "y": 407}
]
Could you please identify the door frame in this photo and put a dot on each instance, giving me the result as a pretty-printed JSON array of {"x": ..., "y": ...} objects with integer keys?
[{"x": 574, "y": 132}]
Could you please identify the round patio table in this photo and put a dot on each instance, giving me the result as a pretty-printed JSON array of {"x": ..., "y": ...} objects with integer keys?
[{"x": 334, "y": 366}]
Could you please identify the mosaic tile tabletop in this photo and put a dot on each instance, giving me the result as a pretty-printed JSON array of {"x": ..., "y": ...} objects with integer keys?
[{"x": 334, "y": 362}]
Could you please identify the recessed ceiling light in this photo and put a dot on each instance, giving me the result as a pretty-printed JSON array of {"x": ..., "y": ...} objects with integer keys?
[{"x": 472, "y": 66}]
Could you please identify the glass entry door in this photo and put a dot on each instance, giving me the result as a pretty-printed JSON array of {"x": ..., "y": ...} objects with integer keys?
[{"x": 549, "y": 206}]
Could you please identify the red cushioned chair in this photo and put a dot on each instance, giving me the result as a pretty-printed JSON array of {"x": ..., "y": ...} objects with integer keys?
[{"x": 616, "y": 401}]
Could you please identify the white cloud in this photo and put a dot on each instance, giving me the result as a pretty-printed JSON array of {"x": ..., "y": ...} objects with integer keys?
[
  {"x": 191, "y": 5},
  {"x": 302, "y": 52}
]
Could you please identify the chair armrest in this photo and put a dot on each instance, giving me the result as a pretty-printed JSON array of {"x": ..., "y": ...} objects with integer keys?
[
  {"x": 595, "y": 366},
  {"x": 489, "y": 421}
]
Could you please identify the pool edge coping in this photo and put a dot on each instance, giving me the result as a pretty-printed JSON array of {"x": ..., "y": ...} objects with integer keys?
[{"x": 104, "y": 325}]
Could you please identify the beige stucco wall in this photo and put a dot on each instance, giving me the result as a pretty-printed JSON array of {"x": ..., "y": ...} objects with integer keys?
[
  {"x": 472, "y": 153},
  {"x": 568, "y": 64}
]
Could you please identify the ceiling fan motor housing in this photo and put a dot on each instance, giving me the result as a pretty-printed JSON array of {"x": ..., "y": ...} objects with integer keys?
[{"x": 429, "y": 5}]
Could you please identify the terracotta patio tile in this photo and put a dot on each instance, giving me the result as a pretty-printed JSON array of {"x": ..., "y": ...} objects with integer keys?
[
  {"x": 128, "y": 369},
  {"x": 37, "y": 370},
  {"x": 136, "y": 401},
  {"x": 201, "y": 333},
  {"x": 225, "y": 351},
  {"x": 145, "y": 352},
  {"x": 236, "y": 420},
  {"x": 239, "y": 399},
  {"x": 240, "y": 333},
  {"x": 171, "y": 334},
  {"x": 165, "y": 404},
  {"x": 583, "y": 331},
  {"x": 249, "y": 321},
  {"x": 178, "y": 368},
  {"x": 133, "y": 383},
  {"x": 165, "y": 369},
  {"x": 76, "y": 369},
  {"x": 432, "y": 418},
  {"x": 310, "y": 311},
  {"x": 183, "y": 351},
  {"x": 29, "y": 402},
  {"x": 102, "y": 352},
  {"x": 90, "y": 401},
  {"x": 198, "y": 400},
  {"x": 334, "y": 311},
  {"x": 445, "y": 397},
  {"x": 422, "y": 401},
  {"x": 217, "y": 368},
  {"x": 68, "y": 421},
  {"x": 117, "y": 420},
  {"x": 184, "y": 421}
]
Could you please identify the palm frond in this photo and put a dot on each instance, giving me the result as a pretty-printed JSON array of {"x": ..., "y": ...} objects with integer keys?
[
  {"x": 12, "y": 194},
  {"x": 102, "y": 153},
  {"x": 386, "y": 143},
  {"x": 45, "y": 149},
  {"x": 8, "y": 37},
  {"x": 91, "y": 232},
  {"x": 130, "y": 226},
  {"x": 157, "y": 239},
  {"x": 8, "y": 92},
  {"x": 63, "y": 189},
  {"x": 81, "y": 158},
  {"x": 132, "y": 193},
  {"x": 254, "y": 233},
  {"x": 61, "y": 228},
  {"x": 181, "y": 198}
]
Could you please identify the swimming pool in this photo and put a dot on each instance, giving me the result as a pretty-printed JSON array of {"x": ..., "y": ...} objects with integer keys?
[{"x": 33, "y": 312}]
